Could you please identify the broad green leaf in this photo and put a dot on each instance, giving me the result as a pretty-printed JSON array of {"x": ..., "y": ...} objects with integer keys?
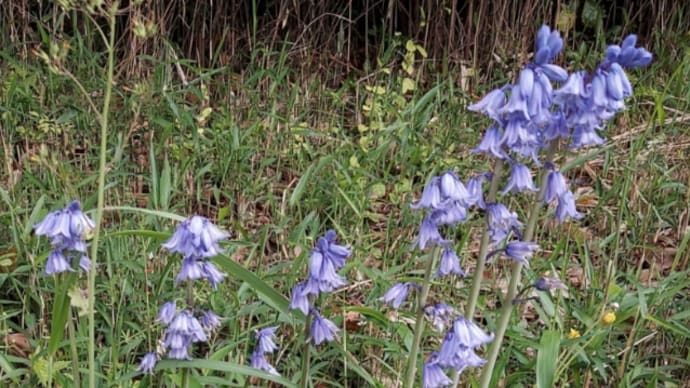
[
  {"x": 265, "y": 292},
  {"x": 547, "y": 358},
  {"x": 60, "y": 312}
]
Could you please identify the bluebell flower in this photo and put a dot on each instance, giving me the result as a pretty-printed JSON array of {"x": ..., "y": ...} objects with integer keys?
[
  {"x": 335, "y": 253},
  {"x": 539, "y": 101},
  {"x": 300, "y": 299},
  {"x": 258, "y": 361},
  {"x": 516, "y": 108},
  {"x": 547, "y": 45},
  {"x": 191, "y": 269},
  {"x": 521, "y": 251},
  {"x": 209, "y": 320},
  {"x": 183, "y": 330},
  {"x": 566, "y": 207},
  {"x": 66, "y": 225},
  {"x": 573, "y": 94},
  {"x": 550, "y": 283},
  {"x": 525, "y": 83},
  {"x": 167, "y": 312},
  {"x": 322, "y": 329},
  {"x": 148, "y": 362},
  {"x": 57, "y": 263},
  {"x": 491, "y": 104},
  {"x": 324, "y": 262},
  {"x": 431, "y": 196},
  {"x": 433, "y": 375},
  {"x": 196, "y": 237},
  {"x": 501, "y": 222},
  {"x": 212, "y": 274},
  {"x": 428, "y": 235},
  {"x": 476, "y": 191},
  {"x": 556, "y": 127},
  {"x": 85, "y": 263},
  {"x": 520, "y": 179},
  {"x": 627, "y": 55},
  {"x": 492, "y": 143},
  {"x": 469, "y": 335},
  {"x": 396, "y": 295},
  {"x": 440, "y": 314},
  {"x": 521, "y": 138},
  {"x": 452, "y": 188},
  {"x": 453, "y": 354},
  {"x": 441, "y": 191},
  {"x": 450, "y": 263},
  {"x": 554, "y": 73},
  {"x": 584, "y": 136},
  {"x": 555, "y": 186},
  {"x": 265, "y": 339},
  {"x": 322, "y": 274},
  {"x": 453, "y": 213},
  {"x": 66, "y": 229}
]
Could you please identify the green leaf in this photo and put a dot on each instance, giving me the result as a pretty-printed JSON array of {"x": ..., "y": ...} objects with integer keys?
[
  {"x": 154, "y": 175},
  {"x": 222, "y": 366},
  {"x": 302, "y": 184},
  {"x": 265, "y": 292},
  {"x": 547, "y": 358},
  {"x": 407, "y": 85},
  {"x": 353, "y": 365},
  {"x": 45, "y": 371},
  {"x": 149, "y": 212},
  {"x": 164, "y": 188},
  {"x": 60, "y": 312},
  {"x": 79, "y": 299}
]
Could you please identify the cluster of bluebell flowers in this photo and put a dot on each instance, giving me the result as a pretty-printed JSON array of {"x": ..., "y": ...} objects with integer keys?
[
  {"x": 67, "y": 229},
  {"x": 531, "y": 120},
  {"x": 265, "y": 344},
  {"x": 197, "y": 240},
  {"x": 457, "y": 351},
  {"x": 325, "y": 260},
  {"x": 447, "y": 201},
  {"x": 531, "y": 115}
]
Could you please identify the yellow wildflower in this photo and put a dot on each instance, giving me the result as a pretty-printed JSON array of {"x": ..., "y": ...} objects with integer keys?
[
  {"x": 573, "y": 333},
  {"x": 609, "y": 318}
]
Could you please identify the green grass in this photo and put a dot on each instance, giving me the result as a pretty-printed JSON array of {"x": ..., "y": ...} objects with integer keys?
[{"x": 282, "y": 157}]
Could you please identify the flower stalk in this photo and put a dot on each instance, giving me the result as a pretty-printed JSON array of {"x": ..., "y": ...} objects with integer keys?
[
  {"x": 419, "y": 318},
  {"x": 484, "y": 245},
  {"x": 98, "y": 220},
  {"x": 515, "y": 277}
]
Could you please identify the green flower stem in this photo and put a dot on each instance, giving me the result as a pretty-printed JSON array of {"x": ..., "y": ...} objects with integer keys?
[
  {"x": 484, "y": 246},
  {"x": 306, "y": 353},
  {"x": 110, "y": 46},
  {"x": 419, "y": 319},
  {"x": 75, "y": 352},
  {"x": 516, "y": 274},
  {"x": 190, "y": 305},
  {"x": 483, "y": 250}
]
